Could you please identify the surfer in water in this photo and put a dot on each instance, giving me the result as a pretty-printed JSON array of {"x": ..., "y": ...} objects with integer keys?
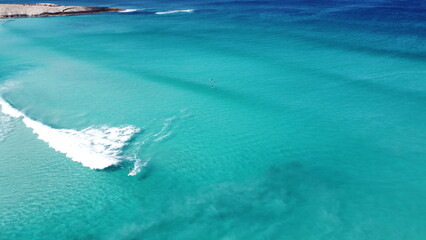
[{"x": 132, "y": 172}]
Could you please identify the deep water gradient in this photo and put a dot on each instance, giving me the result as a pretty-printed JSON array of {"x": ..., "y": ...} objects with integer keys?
[{"x": 314, "y": 128}]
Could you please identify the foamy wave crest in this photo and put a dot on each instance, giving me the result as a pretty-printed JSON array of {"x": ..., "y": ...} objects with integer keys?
[
  {"x": 129, "y": 10},
  {"x": 176, "y": 11},
  {"x": 9, "y": 110},
  {"x": 96, "y": 148}
]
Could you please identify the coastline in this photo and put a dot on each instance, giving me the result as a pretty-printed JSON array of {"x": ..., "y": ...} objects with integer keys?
[{"x": 48, "y": 9}]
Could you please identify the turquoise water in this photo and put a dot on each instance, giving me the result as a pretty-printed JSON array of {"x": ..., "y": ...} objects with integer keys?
[{"x": 314, "y": 127}]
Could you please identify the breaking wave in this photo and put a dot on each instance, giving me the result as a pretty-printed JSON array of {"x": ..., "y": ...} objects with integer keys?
[
  {"x": 129, "y": 10},
  {"x": 93, "y": 147}
]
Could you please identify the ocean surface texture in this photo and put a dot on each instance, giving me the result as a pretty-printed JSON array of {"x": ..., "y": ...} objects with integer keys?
[{"x": 290, "y": 119}]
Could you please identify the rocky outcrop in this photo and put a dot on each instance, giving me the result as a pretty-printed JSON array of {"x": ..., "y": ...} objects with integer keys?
[{"x": 48, "y": 9}]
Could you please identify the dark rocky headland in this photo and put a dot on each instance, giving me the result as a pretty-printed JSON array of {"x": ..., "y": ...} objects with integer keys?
[{"x": 48, "y": 9}]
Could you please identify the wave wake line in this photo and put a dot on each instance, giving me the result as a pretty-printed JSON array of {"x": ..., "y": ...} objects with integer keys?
[{"x": 176, "y": 11}]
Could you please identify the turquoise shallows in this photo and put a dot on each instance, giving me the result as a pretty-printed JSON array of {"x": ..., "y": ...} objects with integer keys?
[{"x": 314, "y": 127}]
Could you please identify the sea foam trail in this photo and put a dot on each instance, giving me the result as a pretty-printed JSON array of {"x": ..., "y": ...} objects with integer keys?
[
  {"x": 176, "y": 11},
  {"x": 96, "y": 148}
]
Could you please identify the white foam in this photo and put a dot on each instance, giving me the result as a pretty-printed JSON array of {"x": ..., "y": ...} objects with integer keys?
[
  {"x": 129, "y": 10},
  {"x": 176, "y": 11},
  {"x": 96, "y": 148},
  {"x": 9, "y": 110},
  {"x": 6, "y": 126}
]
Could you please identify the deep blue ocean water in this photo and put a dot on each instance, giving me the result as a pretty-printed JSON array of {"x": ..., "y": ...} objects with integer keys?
[{"x": 239, "y": 120}]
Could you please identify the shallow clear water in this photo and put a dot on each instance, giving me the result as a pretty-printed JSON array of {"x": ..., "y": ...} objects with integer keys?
[{"x": 314, "y": 127}]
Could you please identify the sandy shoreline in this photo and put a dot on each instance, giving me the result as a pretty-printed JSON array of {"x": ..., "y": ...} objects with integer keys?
[{"x": 48, "y": 9}]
